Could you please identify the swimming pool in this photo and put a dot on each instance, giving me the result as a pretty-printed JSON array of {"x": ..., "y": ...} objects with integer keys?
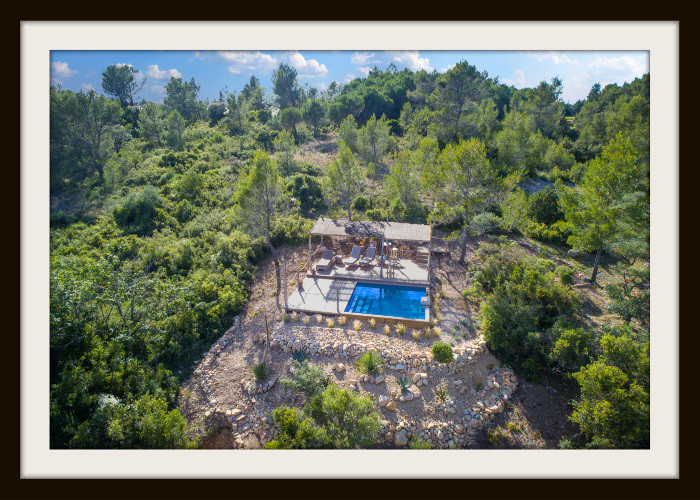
[{"x": 387, "y": 300}]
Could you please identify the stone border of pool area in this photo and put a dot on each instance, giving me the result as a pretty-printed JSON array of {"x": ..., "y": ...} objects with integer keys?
[{"x": 321, "y": 305}]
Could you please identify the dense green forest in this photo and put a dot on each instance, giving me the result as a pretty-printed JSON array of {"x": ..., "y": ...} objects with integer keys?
[{"x": 160, "y": 213}]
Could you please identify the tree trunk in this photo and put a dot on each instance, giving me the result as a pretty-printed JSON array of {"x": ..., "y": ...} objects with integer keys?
[
  {"x": 276, "y": 260},
  {"x": 465, "y": 236},
  {"x": 595, "y": 265},
  {"x": 349, "y": 212}
]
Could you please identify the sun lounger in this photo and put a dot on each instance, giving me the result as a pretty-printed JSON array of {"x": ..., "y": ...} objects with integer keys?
[
  {"x": 325, "y": 262},
  {"x": 354, "y": 256},
  {"x": 369, "y": 256}
]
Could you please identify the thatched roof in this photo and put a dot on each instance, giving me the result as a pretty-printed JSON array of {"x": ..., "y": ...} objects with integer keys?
[{"x": 398, "y": 231}]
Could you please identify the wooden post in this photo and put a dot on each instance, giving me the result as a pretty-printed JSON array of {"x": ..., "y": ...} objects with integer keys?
[
  {"x": 337, "y": 299},
  {"x": 381, "y": 264},
  {"x": 284, "y": 279},
  {"x": 309, "y": 263}
]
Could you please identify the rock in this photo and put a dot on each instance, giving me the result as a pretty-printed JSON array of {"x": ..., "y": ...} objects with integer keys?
[
  {"x": 297, "y": 345},
  {"x": 416, "y": 377},
  {"x": 390, "y": 406},
  {"x": 383, "y": 400},
  {"x": 401, "y": 438},
  {"x": 457, "y": 383},
  {"x": 400, "y": 367},
  {"x": 379, "y": 379}
]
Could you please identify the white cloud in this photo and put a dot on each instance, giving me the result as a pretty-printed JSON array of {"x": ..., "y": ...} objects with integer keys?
[
  {"x": 554, "y": 56},
  {"x": 158, "y": 89},
  {"x": 306, "y": 68},
  {"x": 61, "y": 69},
  {"x": 348, "y": 78},
  {"x": 119, "y": 65},
  {"x": 360, "y": 58},
  {"x": 447, "y": 68},
  {"x": 157, "y": 74},
  {"x": 625, "y": 66},
  {"x": 244, "y": 62},
  {"x": 364, "y": 70},
  {"x": 519, "y": 80},
  {"x": 87, "y": 87},
  {"x": 412, "y": 60}
]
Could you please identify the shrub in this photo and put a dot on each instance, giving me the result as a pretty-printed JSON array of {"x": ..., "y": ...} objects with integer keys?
[
  {"x": 285, "y": 318},
  {"x": 565, "y": 444},
  {"x": 357, "y": 325},
  {"x": 427, "y": 332},
  {"x": 260, "y": 371},
  {"x": 329, "y": 323},
  {"x": 565, "y": 274},
  {"x": 387, "y": 329},
  {"x": 138, "y": 212},
  {"x": 295, "y": 316},
  {"x": 372, "y": 323},
  {"x": 416, "y": 335},
  {"x": 543, "y": 207},
  {"x": 360, "y": 203},
  {"x": 306, "y": 320},
  {"x": 370, "y": 363},
  {"x": 308, "y": 379},
  {"x": 437, "y": 331},
  {"x": 400, "y": 328},
  {"x": 376, "y": 214},
  {"x": 478, "y": 385},
  {"x": 442, "y": 352},
  {"x": 342, "y": 320},
  {"x": 319, "y": 319},
  {"x": 441, "y": 393},
  {"x": 418, "y": 443}
]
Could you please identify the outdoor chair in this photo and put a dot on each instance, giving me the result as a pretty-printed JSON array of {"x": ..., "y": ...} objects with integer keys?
[
  {"x": 325, "y": 262},
  {"x": 354, "y": 256},
  {"x": 369, "y": 256}
]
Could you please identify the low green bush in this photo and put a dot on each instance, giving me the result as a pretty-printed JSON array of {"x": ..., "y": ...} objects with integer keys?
[
  {"x": 442, "y": 352},
  {"x": 260, "y": 371}
]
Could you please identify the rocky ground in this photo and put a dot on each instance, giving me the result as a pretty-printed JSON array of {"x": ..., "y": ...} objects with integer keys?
[{"x": 229, "y": 410}]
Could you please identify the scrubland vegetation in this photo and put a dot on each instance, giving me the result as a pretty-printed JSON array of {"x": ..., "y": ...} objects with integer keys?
[{"x": 160, "y": 213}]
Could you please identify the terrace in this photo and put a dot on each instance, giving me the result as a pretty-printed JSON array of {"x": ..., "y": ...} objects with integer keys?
[{"x": 393, "y": 257}]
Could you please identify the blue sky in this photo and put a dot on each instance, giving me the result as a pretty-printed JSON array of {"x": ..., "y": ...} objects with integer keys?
[{"x": 213, "y": 70}]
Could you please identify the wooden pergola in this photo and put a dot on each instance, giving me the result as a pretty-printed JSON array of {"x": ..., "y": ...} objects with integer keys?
[{"x": 386, "y": 231}]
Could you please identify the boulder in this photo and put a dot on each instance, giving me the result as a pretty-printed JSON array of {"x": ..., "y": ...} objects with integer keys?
[
  {"x": 383, "y": 400},
  {"x": 401, "y": 438}
]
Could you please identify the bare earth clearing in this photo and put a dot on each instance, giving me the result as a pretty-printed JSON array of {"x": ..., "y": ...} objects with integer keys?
[{"x": 214, "y": 397}]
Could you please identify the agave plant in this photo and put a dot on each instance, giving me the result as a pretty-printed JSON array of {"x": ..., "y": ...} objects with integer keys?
[
  {"x": 404, "y": 383},
  {"x": 299, "y": 355}
]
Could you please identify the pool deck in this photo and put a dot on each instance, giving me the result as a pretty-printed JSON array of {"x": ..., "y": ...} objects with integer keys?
[
  {"x": 324, "y": 295},
  {"x": 406, "y": 271}
]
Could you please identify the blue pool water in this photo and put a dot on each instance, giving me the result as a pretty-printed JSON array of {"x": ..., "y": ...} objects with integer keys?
[{"x": 387, "y": 300}]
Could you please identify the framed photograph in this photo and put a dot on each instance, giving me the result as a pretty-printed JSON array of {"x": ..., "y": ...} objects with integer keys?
[{"x": 197, "y": 300}]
